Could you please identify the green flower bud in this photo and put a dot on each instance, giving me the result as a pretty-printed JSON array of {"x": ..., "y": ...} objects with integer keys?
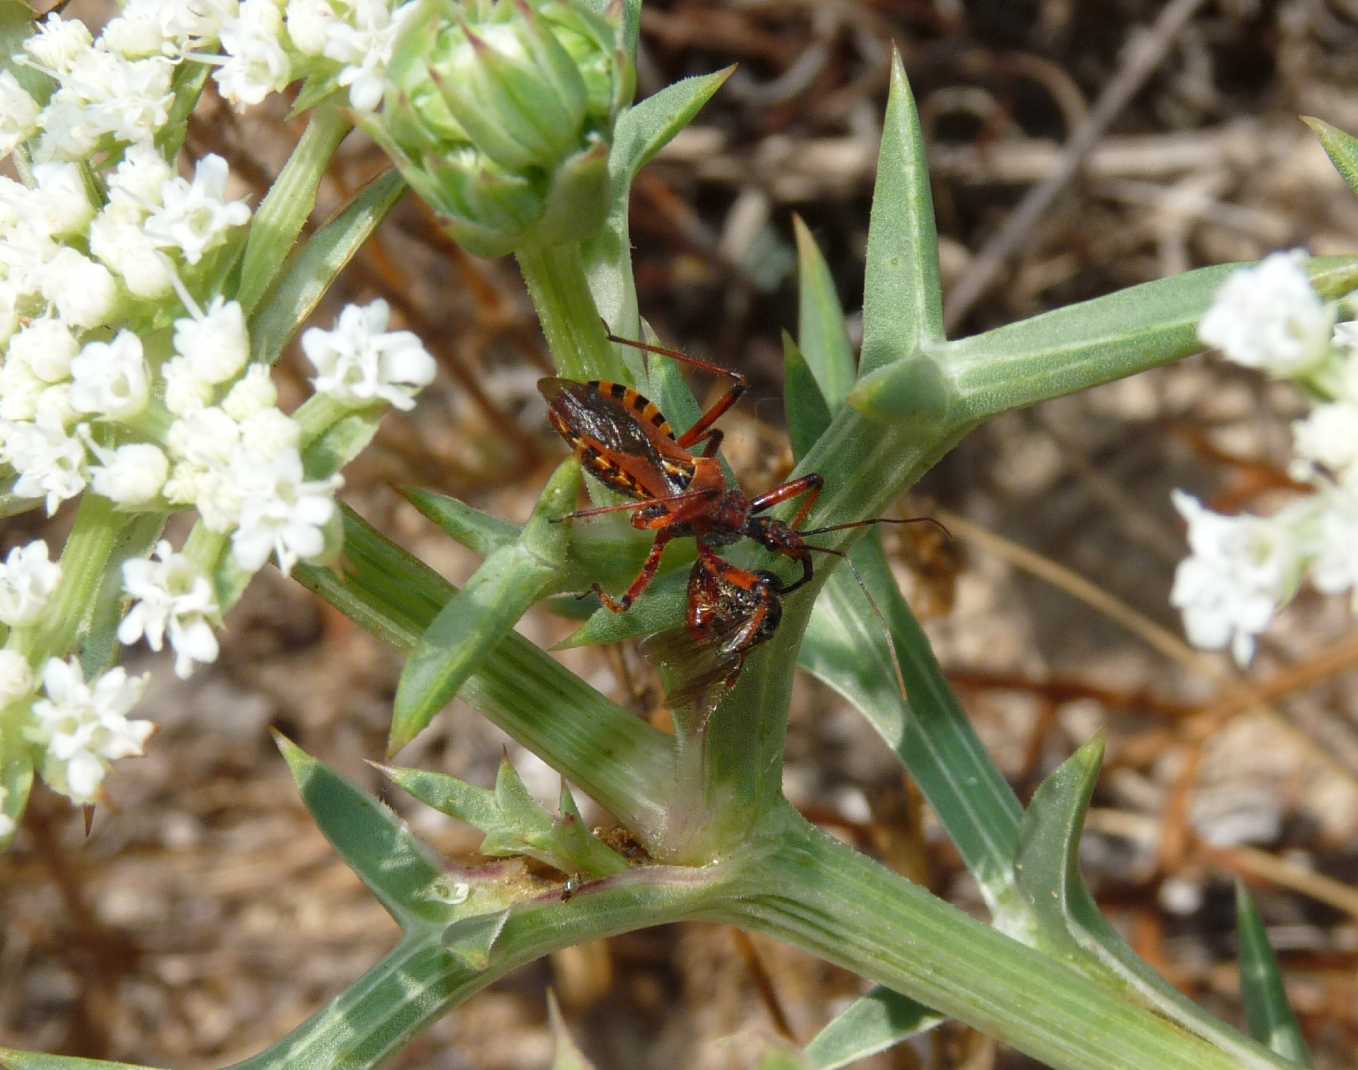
[{"x": 500, "y": 114}]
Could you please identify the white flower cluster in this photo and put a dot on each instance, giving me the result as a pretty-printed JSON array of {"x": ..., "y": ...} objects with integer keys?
[
  {"x": 1243, "y": 569},
  {"x": 115, "y": 380},
  {"x": 268, "y": 44},
  {"x": 80, "y": 727}
]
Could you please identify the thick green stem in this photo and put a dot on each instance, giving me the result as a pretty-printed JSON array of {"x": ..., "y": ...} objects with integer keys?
[
  {"x": 422, "y": 980},
  {"x": 557, "y": 283},
  {"x": 819, "y": 894}
]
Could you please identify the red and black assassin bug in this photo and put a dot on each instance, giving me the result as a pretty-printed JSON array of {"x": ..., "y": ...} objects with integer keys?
[{"x": 624, "y": 440}]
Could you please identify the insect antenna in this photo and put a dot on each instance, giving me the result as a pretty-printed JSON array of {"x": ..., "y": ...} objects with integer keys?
[
  {"x": 886, "y": 626},
  {"x": 875, "y": 520}
]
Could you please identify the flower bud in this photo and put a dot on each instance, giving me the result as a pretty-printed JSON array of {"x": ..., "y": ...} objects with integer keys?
[{"x": 500, "y": 115}]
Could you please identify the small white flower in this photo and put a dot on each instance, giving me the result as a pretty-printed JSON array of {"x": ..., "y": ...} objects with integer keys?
[
  {"x": 1334, "y": 534},
  {"x": 60, "y": 199},
  {"x": 85, "y": 727},
  {"x": 253, "y": 393},
  {"x": 281, "y": 513},
  {"x": 1328, "y": 436},
  {"x": 132, "y": 474},
  {"x": 138, "y": 179},
  {"x": 117, "y": 238},
  {"x": 16, "y": 678},
  {"x": 1268, "y": 316},
  {"x": 84, "y": 292},
  {"x": 135, "y": 34},
  {"x": 142, "y": 96},
  {"x": 184, "y": 391},
  {"x": 171, "y": 595},
  {"x": 19, "y": 390},
  {"x": 1242, "y": 569},
  {"x": 53, "y": 407},
  {"x": 50, "y": 463},
  {"x": 1346, "y": 336},
  {"x": 363, "y": 43},
  {"x": 360, "y": 362},
  {"x": 9, "y": 310},
  {"x": 309, "y": 22},
  {"x": 216, "y": 346},
  {"x": 195, "y": 216},
  {"x": 58, "y": 44},
  {"x": 257, "y": 65},
  {"x": 18, "y": 113},
  {"x": 27, "y": 580},
  {"x": 110, "y": 379},
  {"x": 46, "y": 347}
]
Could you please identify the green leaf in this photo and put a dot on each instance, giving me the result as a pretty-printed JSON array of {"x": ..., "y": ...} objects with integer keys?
[
  {"x": 187, "y": 85},
  {"x": 640, "y": 132},
  {"x": 1047, "y": 862},
  {"x": 874, "y": 1023},
  {"x": 1270, "y": 1016},
  {"x": 1093, "y": 342},
  {"x": 373, "y": 841},
  {"x": 567, "y": 1056},
  {"x": 820, "y": 322},
  {"x": 475, "y": 620},
  {"x": 480, "y": 532},
  {"x": 447, "y": 794},
  {"x": 1341, "y": 148},
  {"x": 902, "y": 294},
  {"x": 17, "y": 26},
  {"x": 288, "y": 205},
  {"x": 471, "y": 940},
  {"x": 845, "y": 647},
  {"x": 316, "y": 264},
  {"x": 803, "y": 403},
  {"x": 12, "y": 1059}
]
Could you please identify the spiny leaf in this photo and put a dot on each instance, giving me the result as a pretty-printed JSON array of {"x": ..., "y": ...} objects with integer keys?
[
  {"x": 820, "y": 323},
  {"x": 480, "y": 532},
  {"x": 873, "y": 1023},
  {"x": 471, "y": 940},
  {"x": 485, "y": 610},
  {"x": 13, "y": 1059},
  {"x": 1267, "y": 1011},
  {"x": 1341, "y": 148},
  {"x": 803, "y": 403},
  {"x": 902, "y": 294},
  {"x": 373, "y": 841}
]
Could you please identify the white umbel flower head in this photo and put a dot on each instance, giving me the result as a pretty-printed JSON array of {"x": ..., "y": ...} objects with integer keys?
[
  {"x": 281, "y": 512},
  {"x": 363, "y": 42},
  {"x": 131, "y": 475},
  {"x": 1241, "y": 571},
  {"x": 85, "y": 293},
  {"x": 61, "y": 199},
  {"x": 193, "y": 217},
  {"x": 139, "y": 178},
  {"x": 256, "y": 63},
  {"x": 27, "y": 580},
  {"x": 85, "y": 726},
  {"x": 309, "y": 25},
  {"x": 50, "y": 463},
  {"x": 1269, "y": 317},
  {"x": 215, "y": 345},
  {"x": 117, "y": 238},
  {"x": 171, "y": 595},
  {"x": 46, "y": 347},
  {"x": 59, "y": 44},
  {"x": 16, "y": 678},
  {"x": 360, "y": 361},
  {"x": 110, "y": 379}
]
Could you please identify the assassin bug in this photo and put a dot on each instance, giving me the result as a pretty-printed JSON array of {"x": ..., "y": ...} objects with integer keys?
[{"x": 625, "y": 440}]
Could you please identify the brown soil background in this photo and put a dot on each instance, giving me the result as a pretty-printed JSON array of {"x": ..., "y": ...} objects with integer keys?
[{"x": 205, "y": 916}]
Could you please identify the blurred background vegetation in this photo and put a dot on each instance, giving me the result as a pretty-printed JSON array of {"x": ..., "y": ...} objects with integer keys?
[{"x": 1076, "y": 148}]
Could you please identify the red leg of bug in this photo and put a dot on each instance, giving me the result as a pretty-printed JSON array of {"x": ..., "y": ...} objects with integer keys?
[
  {"x": 809, "y": 484},
  {"x": 643, "y": 580},
  {"x": 739, "y": 384}
]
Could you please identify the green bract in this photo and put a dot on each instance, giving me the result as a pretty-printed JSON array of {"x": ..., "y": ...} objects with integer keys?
[{"x": 500, "y": 115}]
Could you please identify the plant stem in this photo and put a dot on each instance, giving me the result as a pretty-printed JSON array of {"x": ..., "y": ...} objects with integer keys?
[
  {"x": 575, "y": 334},
  {"x": 421, "y": 980},
  {"x": 821, "y": 895}
]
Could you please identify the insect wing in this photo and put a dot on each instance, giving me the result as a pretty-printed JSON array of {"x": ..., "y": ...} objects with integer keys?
[
  {"x": 611, "y": 442},
  {"x": 697, "y": 672}
]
